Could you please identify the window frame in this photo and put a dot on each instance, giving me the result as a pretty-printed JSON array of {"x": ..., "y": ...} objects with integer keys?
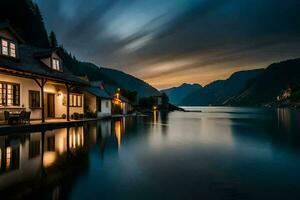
[
  {"x": 30, "y": 92},
  {"x": 9, "y": 42},
  {"x": 73, "y": 100},
  {"x": 57, "y": 63},
  {"x": 15, "y": 97}
]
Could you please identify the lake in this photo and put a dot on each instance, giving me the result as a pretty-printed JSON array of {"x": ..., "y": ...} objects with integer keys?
[{"x": 219, "y": 153}]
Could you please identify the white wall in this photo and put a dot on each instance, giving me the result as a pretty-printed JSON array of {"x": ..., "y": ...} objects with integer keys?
[
  {"x": 105, "y": 108},
  {"x": 25, "y": 86}
]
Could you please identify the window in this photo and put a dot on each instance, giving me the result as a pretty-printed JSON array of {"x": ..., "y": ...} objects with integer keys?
[
  {"x": 12, "y": 50},
  {"x": 34, "y": 99},
  {"x": 55, "y": 64},
  {"x": 4, "y": 47},
  {"x": 106, "y": 104},
  {"x": 8, "y": 48},
  {"x": 75, "y": 100},
  {"x": 99, "y": 104},
  {"x": 9, "y": 94}
]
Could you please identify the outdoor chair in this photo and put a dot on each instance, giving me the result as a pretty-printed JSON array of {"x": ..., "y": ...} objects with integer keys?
[
  {"x": 21, "y": 119},
  {"x": 27, "y": 117},
  {"x": 6, "y": 117}
]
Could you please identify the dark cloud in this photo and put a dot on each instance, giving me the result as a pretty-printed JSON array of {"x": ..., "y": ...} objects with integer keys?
[{"x": 165, "y": 39}]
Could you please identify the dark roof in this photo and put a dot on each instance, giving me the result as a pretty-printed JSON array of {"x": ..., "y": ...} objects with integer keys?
[
  {"x": 44, "y": 53},
  {"x": 97, "y": 91},
  {"x": 27, "y": 62},
  {"x": 6, "y": 25},
  {"x": 108, "y": 89}
]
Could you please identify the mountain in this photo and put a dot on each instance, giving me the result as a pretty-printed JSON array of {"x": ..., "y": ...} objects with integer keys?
[
  {"x": 129, "y": 82},
  {"x": 217, "y": 92},
  {"x": 269, "y": 85},
  {"x": 112, "y": 77},
  {"x": 177, "y": 94}
]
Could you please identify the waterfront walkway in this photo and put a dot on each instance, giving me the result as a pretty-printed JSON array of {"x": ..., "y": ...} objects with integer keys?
[{"x": 37, "y": 125}]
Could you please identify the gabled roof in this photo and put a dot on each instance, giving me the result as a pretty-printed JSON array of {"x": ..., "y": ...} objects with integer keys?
[
  {"x": 6, "y": 25},
  {"x": 27, "y": 62},
  {"x": 109, "y": 89},
  {"x": 97, "y": 91}
]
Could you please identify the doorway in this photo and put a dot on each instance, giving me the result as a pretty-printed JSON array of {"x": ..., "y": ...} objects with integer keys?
[{"x": 50, "y": 105}]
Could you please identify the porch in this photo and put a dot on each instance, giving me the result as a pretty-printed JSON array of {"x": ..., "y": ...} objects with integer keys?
[{"x": 45, "y": 99}]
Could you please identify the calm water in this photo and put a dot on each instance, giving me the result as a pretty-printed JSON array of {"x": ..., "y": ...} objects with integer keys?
[{"x": 221, "y": 153}]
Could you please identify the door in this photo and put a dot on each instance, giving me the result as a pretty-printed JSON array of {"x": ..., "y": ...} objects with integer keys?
[{"x": 50, "y": 105}]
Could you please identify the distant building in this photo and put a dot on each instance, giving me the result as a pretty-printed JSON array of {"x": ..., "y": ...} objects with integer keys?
[
  {"x": 97, "y": 100},
  {"x": 120, "y": 104}
]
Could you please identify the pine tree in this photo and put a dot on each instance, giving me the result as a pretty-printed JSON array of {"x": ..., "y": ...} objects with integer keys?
[{"x": 53, "y": 40}]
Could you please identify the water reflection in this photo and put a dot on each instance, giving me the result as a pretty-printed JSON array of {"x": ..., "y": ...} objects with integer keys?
[
  {"x": 26, "y": 157},
  {"x": 221, "y": 152},
  {"x": 118, "y": 131}
]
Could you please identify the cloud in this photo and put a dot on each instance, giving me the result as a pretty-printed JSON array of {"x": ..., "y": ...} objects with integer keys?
[{"x": 153, "y": 39}]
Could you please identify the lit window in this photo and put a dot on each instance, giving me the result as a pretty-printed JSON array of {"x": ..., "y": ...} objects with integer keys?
[
  {"x": 4, "y": 47},
  {"x": 9, "y": 94},
  {"x": 75, "y": 100},
  {"x": 8, "y": 48},
  {"x": 8, "y": 157},
  {"x": 12, "y": 50},
  {"x": 55, "y": 64}
]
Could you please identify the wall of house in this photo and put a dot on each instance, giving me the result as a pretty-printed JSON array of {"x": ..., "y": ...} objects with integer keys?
[
  {"x": 60, "y": 93},
  {"x": 25, "y": 86},
  {"x": 90, "y": 102},
  {"x": 105, "y": 108},
  {"x": 47, "y": 61}
]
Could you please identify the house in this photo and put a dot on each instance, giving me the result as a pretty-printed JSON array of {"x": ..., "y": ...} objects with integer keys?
[
  {"x": 36, "y": 80},
  {"x": 97, "y": 100},
  {"x": 158, "y": 100},
  {"x": 120, "y": 104}
]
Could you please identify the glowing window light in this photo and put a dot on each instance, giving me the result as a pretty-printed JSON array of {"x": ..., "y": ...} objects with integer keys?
[
  {"x": 49, "y": 158},
  {"x": 8, "y": 157},
  {"x": 118, "y": 132}
]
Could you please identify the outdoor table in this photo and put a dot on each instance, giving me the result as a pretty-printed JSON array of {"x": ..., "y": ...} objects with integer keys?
[{"x": 13, "y": 117}]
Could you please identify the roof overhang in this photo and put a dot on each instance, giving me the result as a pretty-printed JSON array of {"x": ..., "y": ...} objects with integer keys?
[{"x": 30, "y": 75}]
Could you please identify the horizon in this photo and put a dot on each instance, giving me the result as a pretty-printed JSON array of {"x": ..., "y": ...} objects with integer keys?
[{"x": 165, "y": 44}]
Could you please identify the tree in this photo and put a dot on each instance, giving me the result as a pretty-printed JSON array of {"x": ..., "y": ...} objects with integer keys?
[
  {"x": 27, "y": 20},
  {"x": 53, "y": 40},
  {"x": 130, "y": 95}
]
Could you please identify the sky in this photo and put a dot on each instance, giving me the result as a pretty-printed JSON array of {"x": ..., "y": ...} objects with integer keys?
[{"x": 170, "y": 42}]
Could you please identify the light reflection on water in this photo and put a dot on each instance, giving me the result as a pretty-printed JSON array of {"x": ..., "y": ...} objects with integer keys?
[{"x": 220, "y": 153}]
